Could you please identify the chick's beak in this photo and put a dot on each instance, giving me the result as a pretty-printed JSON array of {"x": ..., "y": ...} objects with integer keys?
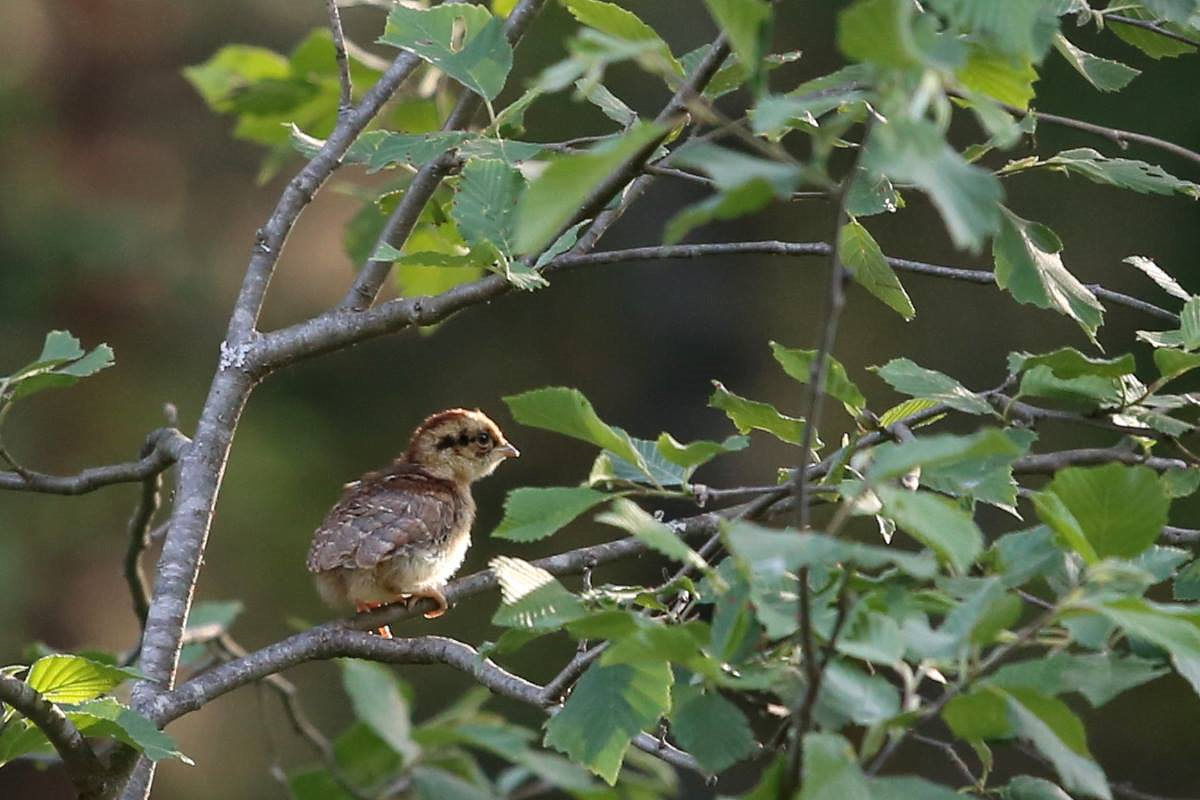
[{"x": 508, "y": 451}]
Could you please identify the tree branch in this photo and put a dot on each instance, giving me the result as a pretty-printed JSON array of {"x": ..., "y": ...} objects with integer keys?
[
  {"x": 163, "y": 448},
  {"x": 396, "y": 230},
  {"x": 336, "y": 329},
  {"x": 1049, "y": 463},
  {"x": 1119, "y": 137},
  {"x": 339, "y": 52},
  {"x": 85, "y": 770}
]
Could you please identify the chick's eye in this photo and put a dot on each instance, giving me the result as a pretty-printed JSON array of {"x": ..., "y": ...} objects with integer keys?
[{"x": 484, "y": 438}]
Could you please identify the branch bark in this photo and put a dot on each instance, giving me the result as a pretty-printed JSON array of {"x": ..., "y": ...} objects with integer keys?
[
  {"x": 85, "y": 770},
  {"x": 163, "y": 448}
]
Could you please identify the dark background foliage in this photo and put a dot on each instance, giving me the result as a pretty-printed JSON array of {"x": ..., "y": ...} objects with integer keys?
[{"x": 127, "y": 213}]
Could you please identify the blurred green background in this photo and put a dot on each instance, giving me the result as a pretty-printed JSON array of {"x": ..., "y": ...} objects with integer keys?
[{"x": 127, "y": 214}]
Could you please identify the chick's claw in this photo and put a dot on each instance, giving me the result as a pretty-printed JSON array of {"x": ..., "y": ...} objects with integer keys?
[{"x": 433, "y": 594}]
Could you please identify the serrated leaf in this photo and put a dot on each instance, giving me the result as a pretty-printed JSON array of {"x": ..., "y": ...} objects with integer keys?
[
  {"x": 533, "y": 513},
  {"x": 611, "y": 19},
  {"x": 375, "y": 695},
  {"x": 609, "y": 706},
  {"x": 936, "y": 523},
  {"x": 61, "y": 363},
  {"x": 696, "y": 454},
  {"x": 906, "y": 410},
  {"x": 866, "y": 263},
  {"x": 747, "y": 415},
  {"x": 1153, "y": 44},
  {"x": 711, "y": 728},
  {"x": 485, "y": 204},
  {"x": 1120, "y": 509},
  {"x": 531, "y": 597},
  {"x": 479, "y": 56},
  {"x": 655, "y": 469},
  {"x": 850, "y": 695},
  {"x": 1054, "y": 512},
  {"x": 1097, "y": 676},
  {"x": 1055, "y": 731},
  {"x": 1103, "y": 73},
  {"x": 1186, "y": 585},
  {"x": 1067, "y": 362},
  {"x": 746, "y": 23},
  {"x": 1036, "y": 276},
  {"x": 978, "y": 715},
  {"x": 891, "y": 459},
  {"x": 966, "y": 196},
  {"x": 568, "y": 412},
  {"x": 1017, "y": 27},
  {"x": 107, "y": 717},
  {"x": 880, "y": 32},
  {"x": 232, "y": 68},
  {"x": 831, "y": 771},
  {"x": 549, "y": 203},
  {"x": 630, "y": 517},
  {"x": 1123, "y": 173},
  {"x": 999, "y": 76},
  {"x": 1157, "y": 274},
  {"x": 908, "y": 378},
  {"x": 63, "y": 678},
  {"x": 798, "y": 364}
]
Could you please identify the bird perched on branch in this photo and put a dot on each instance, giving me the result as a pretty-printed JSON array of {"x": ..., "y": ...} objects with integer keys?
[{"x": 402, "y": 531}]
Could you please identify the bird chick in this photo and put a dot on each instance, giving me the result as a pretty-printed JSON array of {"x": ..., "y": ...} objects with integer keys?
[{"x": 402, "y": 531}]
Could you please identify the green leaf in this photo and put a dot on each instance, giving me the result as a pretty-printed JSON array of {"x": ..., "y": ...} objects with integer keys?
[
  {"x": 1123, "y": 173},
  {"x": 231, "y": 69},
  {"x": 1016, "y": 27},
  {"x": 711, "y": 728},
  {"x": 880, "y": 32},
  {"x": 1178, "y": 11},
  {"x": 485, "y": 205},
  {"x": 1054, "y": 512},
  {"x": 831, "y": 771},
  {"x": 479, "y": 60},
  {"x": 615, "y": 21},
  {"x": 872, "y": 636},
  {"x": 438, "y": 784},
  {"x": 1173, "y": 364},
  {"x": 1067, "y": 362},
  {"x": 568, "y": 412},
  {"x": 910, "y": 788},
  {"x": 747, "y": 415},
  {"x": 1097, "y": 676},
  {"x": 375, "y": 695},
  {"x": 998, "y": 76},
  {"x": 1055, "y": 731},
  {"x": 1087, "y": 392},
  {"x": 891, "y": 460},
  {"x": 1120, "y": 509},
  {"x": 533, "y": 513},
  {"x": 63, "y": 678},
  {"x": 985, "y": 478},
  {"x": 658, "y": 536},
  {"x": 316, "y": 784},
  {"x": 798, "y": 364},
  {"x": 746, "y": 23},
  {"x": 612, "y": 106},
  {"x": 862, "y": 257},
  {"x": 696, "y": 454},
  {"x": 1104, "y": 74},
  {"x": 531, "y": 598},
  {"x": 609, "y": 707},
  {"x": 107, "y": 717},
  {"x": 850, "y": 695},
  {"x": 936, "y": 523},
  {"x": 978, "y": 715},
  {"x": 966, "y": 196},
  {"x": 1029, "y": 267},
  {"x": 871, "y": 194},
  {"x": 61, "y": 363},
  {"x": 1186, "y": 585},
  {"x": 1152, "y": 44},
  {"x": 1026, "y": 787},
  {"x": 745, "y": 184},
  {"x": 908, "y": 378},
  {"x": 549, "y": 203},
  {"x": 1176, "y": 629},
  {"x": 656, "y": 470}
]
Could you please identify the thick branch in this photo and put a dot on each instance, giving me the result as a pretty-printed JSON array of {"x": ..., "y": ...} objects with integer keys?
[
  {"x": 163, "y": 448},
  {"x": 82, "y": 765}
]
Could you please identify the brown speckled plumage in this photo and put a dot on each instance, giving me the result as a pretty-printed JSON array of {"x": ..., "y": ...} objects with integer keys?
[{"x": 404, "y": 530}]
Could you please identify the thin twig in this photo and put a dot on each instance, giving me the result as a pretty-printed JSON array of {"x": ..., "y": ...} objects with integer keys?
[
  {"x": 1050, "y": 463},
  {"x": 339, "y": 52},
  {"x": 557, "y": 687},
  {"x": 85, "y": 770},
  {"x": 1119, "y": 137},
  {"x": 168, "y": 446},
  {"x": 951, "y": 754},
  {"x": 139, "y": 539}
]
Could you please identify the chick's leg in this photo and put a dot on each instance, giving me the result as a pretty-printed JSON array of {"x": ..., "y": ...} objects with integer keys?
[
  {"x": 433, "y": 594},
  {"x": 385, "y": 632}
]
